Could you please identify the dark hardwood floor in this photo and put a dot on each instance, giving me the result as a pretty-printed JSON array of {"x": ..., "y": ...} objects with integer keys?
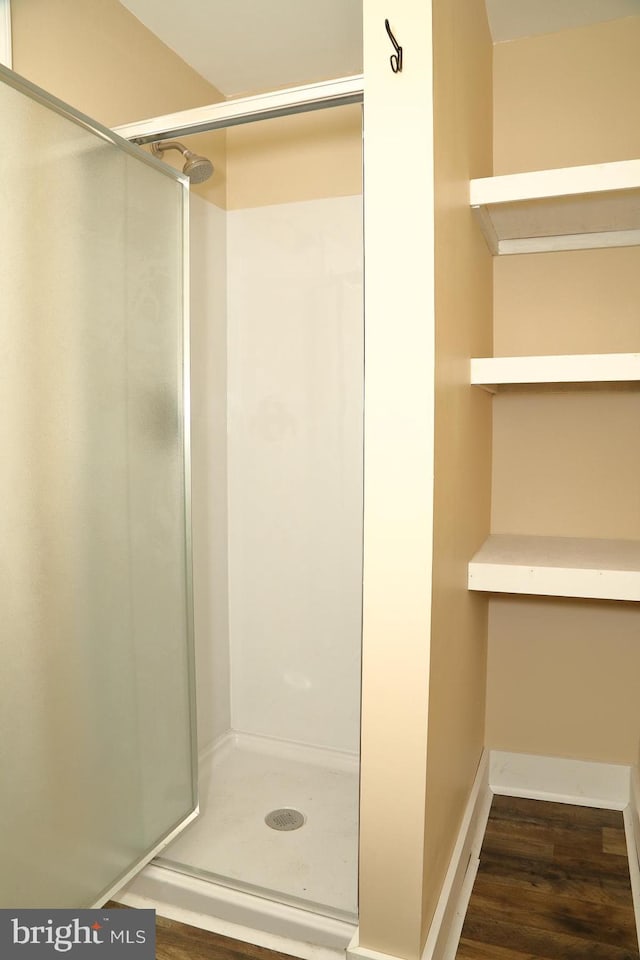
[
  {"x": 553, "y": 884},
  {"x": 178, "y": 941}
]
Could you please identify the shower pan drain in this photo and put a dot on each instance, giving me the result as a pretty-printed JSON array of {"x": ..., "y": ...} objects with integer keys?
[{"x": 284, "y": 819}]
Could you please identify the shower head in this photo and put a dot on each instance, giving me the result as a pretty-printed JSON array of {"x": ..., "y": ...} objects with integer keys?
[{"x": 197, "y": 168}]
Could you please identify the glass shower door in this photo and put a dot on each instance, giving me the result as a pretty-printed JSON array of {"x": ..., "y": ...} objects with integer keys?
[{"x": 97, "y": 743}]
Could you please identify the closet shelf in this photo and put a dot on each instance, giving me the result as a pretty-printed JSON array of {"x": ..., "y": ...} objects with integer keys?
[
  {"x": 571, "y": 208},
  {"x": 557, "y": 567},
  {"x": 491, "y": 372}
]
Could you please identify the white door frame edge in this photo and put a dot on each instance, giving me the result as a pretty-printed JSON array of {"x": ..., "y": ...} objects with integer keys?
[{"x": 5, "y": 33}]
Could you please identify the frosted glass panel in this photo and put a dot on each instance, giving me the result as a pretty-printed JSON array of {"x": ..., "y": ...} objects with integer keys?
[{"x": 95, "y": 690}]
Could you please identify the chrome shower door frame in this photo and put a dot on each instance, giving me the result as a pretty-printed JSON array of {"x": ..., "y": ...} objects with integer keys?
[
  {"x": 35, "y": 93},
  {"x": 229, "y": 113}
]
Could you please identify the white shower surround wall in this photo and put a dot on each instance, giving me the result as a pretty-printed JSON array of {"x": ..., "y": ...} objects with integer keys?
[
  {"x": 295, "y": 408},
  {"x": 277, "y": 382}
]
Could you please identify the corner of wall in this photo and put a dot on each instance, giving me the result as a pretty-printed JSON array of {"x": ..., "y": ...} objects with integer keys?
[{"x": 463, "y": 323}]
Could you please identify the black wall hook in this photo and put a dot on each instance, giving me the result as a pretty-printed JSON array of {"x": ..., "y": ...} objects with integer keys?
[{"x": 396, "y": 58}]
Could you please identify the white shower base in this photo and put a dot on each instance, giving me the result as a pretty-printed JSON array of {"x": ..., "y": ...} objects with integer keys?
[{"x": 229, "y": 867}]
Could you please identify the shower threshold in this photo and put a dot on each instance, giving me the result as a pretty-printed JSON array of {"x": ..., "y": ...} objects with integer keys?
[{"x": 229, "y": 867}]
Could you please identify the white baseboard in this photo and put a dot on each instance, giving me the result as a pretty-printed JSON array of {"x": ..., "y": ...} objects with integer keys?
[
  {"x": 632, "y": 826},
  {"x": 605, "y": 785},
  {"x": 446, "y": 926}
]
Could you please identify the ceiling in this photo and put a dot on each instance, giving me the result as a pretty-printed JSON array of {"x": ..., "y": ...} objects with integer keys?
[
  {"x": 257, "y": 45},
  {"x": 510, "y": 19},
  {"x": 246, "y": 46}
]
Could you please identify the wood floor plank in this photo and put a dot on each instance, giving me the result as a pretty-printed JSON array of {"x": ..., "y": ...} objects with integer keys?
[
  {"x": 555, "y": 879},
  {"x": 541, "y": 944},
  {"x": 573, "y": 846},
  {"x": 178, "y": 941},
  {"x": 614, "y": 841},
  {"x": 559, "y": 914},
  {"x": 526, "y": 848},
  {"x": 600, "y": 864},
  {"x": 470, "y": 950},
  {"x": 522, "y": 809},
  {"x": 586, "y": 838}
]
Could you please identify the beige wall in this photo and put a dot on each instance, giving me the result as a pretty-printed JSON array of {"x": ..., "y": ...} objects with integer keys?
[
  {"x": 304, "y": 157},
  {"x": 463, "y": 148},
  {"x": 568, "y": 98},
  {"x": 95, "y": 56},
  {"x": 588, "y": 302},
  {"x": 566, "y": 462},
  {"x": 563, "y": 678}
]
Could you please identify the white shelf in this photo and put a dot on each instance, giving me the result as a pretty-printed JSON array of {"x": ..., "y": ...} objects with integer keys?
[
  {"x": 490, "y": 372},
  {"x": 557, "y": 567},
  {"x": 572, "y": 208}
]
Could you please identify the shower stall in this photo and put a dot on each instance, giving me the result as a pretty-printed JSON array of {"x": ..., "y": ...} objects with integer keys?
[
  {"x": 277, "y": 381},
  {"x": 114, "y": 456}
]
